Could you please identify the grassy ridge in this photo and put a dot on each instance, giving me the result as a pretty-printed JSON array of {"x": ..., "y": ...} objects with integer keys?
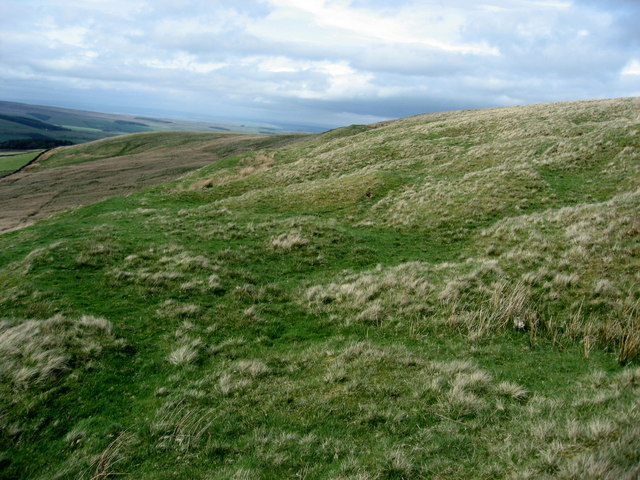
[
  {"x": 82, "y": 174},
  {"x": 445, "y": 296},
  {"x": 162, "y": 143}
]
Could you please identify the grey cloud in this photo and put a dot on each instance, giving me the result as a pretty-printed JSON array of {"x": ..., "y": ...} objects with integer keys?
[
  {"x": 546, "y": 54},
  {"x": 413, "y": 60},
  {"x": 400, "y": 106}
]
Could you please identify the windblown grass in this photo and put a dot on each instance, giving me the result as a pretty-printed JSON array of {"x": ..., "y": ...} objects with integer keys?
[
  {"x": 35, "y": 353},
  {"x": 445, "y": 296}
]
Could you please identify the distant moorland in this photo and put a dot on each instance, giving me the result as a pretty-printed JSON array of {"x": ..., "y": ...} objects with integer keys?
[{"x": 24, "y": 126}]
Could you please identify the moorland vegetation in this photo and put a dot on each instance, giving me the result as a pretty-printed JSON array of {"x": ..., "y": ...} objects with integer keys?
[{"x": 450, "y": 296}]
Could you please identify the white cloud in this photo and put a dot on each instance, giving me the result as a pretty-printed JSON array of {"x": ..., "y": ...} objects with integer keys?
[
  {"x": 632, "y": 68},
  {"x": 328, "y": 60},
  {"x": 280, "y": 65},
  {"x": 184, "y": 63},
  {"x": 406, "y": 27},
  {"x": 71, "y": 36}
]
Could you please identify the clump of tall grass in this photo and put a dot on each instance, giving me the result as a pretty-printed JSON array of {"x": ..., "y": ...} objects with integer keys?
[
  {"x": 380, "y": 389},
  {"x": 39, "y": 256},
  {"x": 629, "y": 346},
  {"x": 257, "y": 163},
  {"x": 497, "y": 190},
  {"x": 174, "y": 309},
  {"x": 105, "y": 463},
  {"x": 579, "y": 261},
  {"x": 562, "y": 273},
  {"x": 33, "y": 353},
  {"x": 387, "y": 390},
  {"x": 376, "y": 294},
  {"x": 288, "y": 241},
  {"x": 168, "y": 266},
  {"x": 185, "y": 353},
  {"x": 181, "y": 426}
]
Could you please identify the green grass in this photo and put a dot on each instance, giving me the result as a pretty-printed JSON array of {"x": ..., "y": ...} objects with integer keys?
[
  {"x": 165, "y": 143},
  {"x": 437, "y": 297},
  {"x": 11, "y": 163}
]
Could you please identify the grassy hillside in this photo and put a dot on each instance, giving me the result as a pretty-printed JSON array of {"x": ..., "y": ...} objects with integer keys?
[
  {"x": 21, "y": 121},
  {"x": 81, "y": 174},
  {"x": 445, "y": 296}
]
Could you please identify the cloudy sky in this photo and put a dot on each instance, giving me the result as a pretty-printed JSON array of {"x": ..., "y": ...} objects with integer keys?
[{"x": 327, "y": 62}]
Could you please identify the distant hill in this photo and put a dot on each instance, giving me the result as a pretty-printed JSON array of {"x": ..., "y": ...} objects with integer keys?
[{"x": 19, "y": 121}]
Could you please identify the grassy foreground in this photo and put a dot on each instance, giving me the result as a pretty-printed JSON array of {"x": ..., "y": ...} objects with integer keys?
[{"x": 446, "y": 296}]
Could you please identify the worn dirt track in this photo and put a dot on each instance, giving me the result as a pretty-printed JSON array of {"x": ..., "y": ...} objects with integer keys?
[{"x": 37, "y": 191}]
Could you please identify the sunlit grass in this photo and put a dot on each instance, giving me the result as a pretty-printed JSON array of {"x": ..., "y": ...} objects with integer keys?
[{"x": 445, "y": 296}]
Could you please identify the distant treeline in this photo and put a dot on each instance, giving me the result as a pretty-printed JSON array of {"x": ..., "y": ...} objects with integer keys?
[
  {"x": 33, "y": 143},
  {"x": 136, "y": 124},
  {"x": 30, "y": 122},
  {"x": 156, "y": 120}
]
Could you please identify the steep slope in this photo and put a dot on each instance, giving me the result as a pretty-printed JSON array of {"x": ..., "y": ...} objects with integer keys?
[{"x": 445, "y": 296}]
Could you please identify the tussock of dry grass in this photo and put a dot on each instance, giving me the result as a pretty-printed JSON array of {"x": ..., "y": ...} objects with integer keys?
[
  {"x": 188, "y": 347},
  {"x": 177, "y": 425},
  {"x": 111, "y": 456},
  {"x": 171, "y": 308},
  {"x": 376, "y": 294},
  {"x": 170, "y": 266},
  {"x": 184, "y": 354},
  {"x": 436, "y": 203},
  {"x": 383, "y": 390},
  {"x": 600, "y": 445},
  {"x": 448, "y": 392},
  {"x": 257, "y": 163},
  {"x": 33, "y": 353},
  {"x": 588, "y": 253},
  {"x": 39, "y": 256},
  {"x": 288, "y": 241}
]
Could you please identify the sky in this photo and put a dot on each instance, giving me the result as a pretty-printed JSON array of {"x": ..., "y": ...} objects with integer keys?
[{"x": 315, "y": 62}]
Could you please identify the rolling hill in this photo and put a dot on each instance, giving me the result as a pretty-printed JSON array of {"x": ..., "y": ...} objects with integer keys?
[
  {"x": 19, "y": 121},
  {"x": 82, "y": 174},
  {"x": 450, "y": 296}
]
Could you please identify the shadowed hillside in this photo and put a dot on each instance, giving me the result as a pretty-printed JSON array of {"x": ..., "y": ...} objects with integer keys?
[{"x": 450, "y": 296}]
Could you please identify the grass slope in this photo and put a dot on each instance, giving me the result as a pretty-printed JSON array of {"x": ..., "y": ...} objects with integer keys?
[
  {"x": 81, "y": 174},
  {"x": 12, "y": 161},
  {"x": 445, "y": 296}
]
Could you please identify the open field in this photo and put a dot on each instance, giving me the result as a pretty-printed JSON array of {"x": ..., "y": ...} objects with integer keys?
[
  {"x": 447, "y": 296},
  {"x": 12, "y": 161}
]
